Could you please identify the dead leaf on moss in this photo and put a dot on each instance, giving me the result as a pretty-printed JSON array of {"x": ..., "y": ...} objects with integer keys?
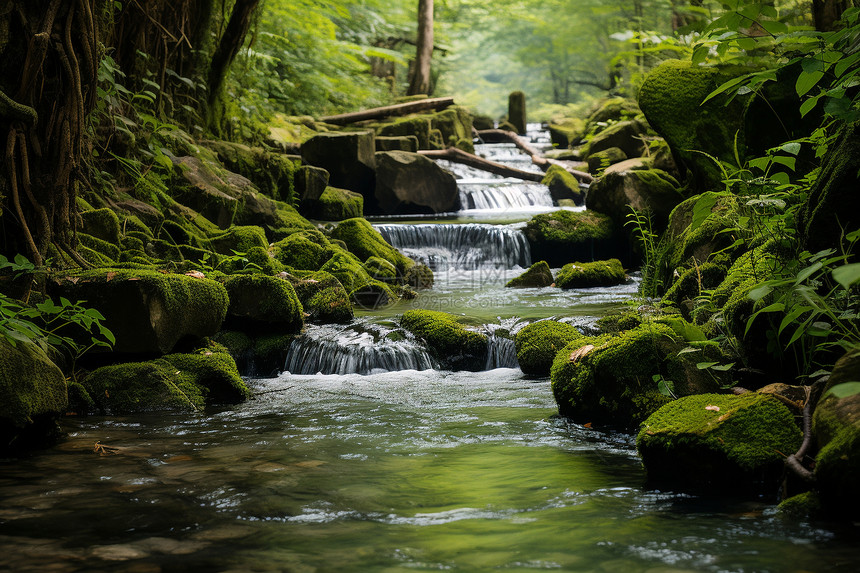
[
  {"x": 195, "y": 274},
  {"x": 109, "y": 276},
  {"x": 712, "y": 408},
  {"x": 580, "y": 352}
]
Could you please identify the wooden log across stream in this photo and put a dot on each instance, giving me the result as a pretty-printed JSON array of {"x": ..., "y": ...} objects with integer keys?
[
  {"x": 501, "y": 135},
  {"x": 435, "y": 104},
  {"x": 460, "y": 156}
]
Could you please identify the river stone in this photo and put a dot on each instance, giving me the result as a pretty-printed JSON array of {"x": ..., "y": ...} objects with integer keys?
[
  {"x": 593, "y": 274},
  {"x": 563, "y": 185},
  {"x": 836, "y": 428},
  {"x": 624, "y": 135},
  {"x": 455, "y": 347},
  {"x": 719, "y": 442},
  {"x": 32, "y": 396},
  {"x": 650, "y": 190},
  {"x": 538, "y": 275},
  {"x": 260, "y": 303},
  {"x": 148, "y": 312},
  {"x": 334, "y": 205},
  {"x": 310, "y": 182},
  {"x": 397, "y": 143},
  {"x": 348, "y": 157},
  {"x": 408, "y": 183},
  {"x": 564, "y": 236},
  {"x": 603, "y": 159}
]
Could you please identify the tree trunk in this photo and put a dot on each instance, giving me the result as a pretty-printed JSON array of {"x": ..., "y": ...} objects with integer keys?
[
  {"x": 229, "y": 45},
  {"x": 420, "y": 83},
  {"x": 435, "y": 104},
  {"x": 48, "y": 75},
  {"x": 826, "y": 13}
]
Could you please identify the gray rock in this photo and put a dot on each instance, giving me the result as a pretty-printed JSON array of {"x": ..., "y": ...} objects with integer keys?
[{"x": 411, "y": 183}]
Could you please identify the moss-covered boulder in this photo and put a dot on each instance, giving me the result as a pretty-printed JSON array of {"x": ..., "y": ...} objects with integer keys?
[
  {"x": 310, "y": 183},
  {"x": 239, "y": 239},
  {"x": 517, "y": 111},
  {"x": 833, "y": 206},
  {"x": 149, "y": 312},
  {"x": 566, "y": 132},
  {"x": 32, "y": 396},
  {"x": 418, "y": 126},
  {"x": 304, "y": 250},
  {"x": 565, "y": 236},
  {"x": 334, "y": 205},
  {"x": 836, "y": 428},
  {"x": 563, "y": 185},
  {"x": 102, "y": 224},
  {"x": 419, "y": 276},
  {"x": 595, "y": 274},
  {"x": 174, "y": 382},
  {"x": 410, "y": 183},
  {"x": 671, "y": 99},
  {"x": 272, "y": 173},
  {"x": 448, "y": 341},
  {"x": 624, "y": 135},
  {"x": 538, "y": 344},
  {"x": 455, "y": 123},
  {"x": 348, "y": 157},
  {"x": 708, "y": 442},
  {"x": 323, "y": 297},
  {"x": 397, "y": 143},
  {"x": 613, "y": 109},
  {"x": 538, "y": 275},
  {"x": 365, "y": 242},
  {"x": 648, "y": 191},
  {"x": 610, "y": 379},
  {"x": 598, "y": 162},
  {"x": 363, "y": 290},
  {"x": 263, "y": 303}
]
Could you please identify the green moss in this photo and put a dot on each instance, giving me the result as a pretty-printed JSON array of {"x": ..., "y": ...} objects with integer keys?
[
  {"x": 517, "y": 111},
  {"x": 538, "y": 343},
  {"x": 80, "y": 401},
  {"x": 290, "y": 222},
  {"x": 694, "y": 281},
  {"x": 365, "y": 242},
  {"x": 615, "y": 323},
  {"x": 347, "y": 268},
  {"x": 131, "y": 244},
  {"x": 566, "y": 132},
  {"x": 109, "y": 250},
  {"x": 436, "y": 139},
  {"x": 447, "y": 340},
  {"x": 455, "y": 124},
  {"x": 624, "y": 135},
  {"x": 800, "y": 507},
  {"x": 270, "y": 353},
  {"x": 323, "y": 297},
  {"x": 613, "y": 109},
  {"x": 102, "y": 224},
  {"x": 214, "y": 372},
  {"x": 419, "y": 276},
  {"x": 562, "y": 184},
  {"x": 380, "y": 269},
  {"x": 600, "y": 160},
  {"x": 237, "y": 343},
  {"x": 612, "y": 383},
  {"x": 260, "y": 301},
  {"x": 272, "y": 173},
  {"x": 585, "y": 275},
  {"x": 419, "y": 126},
  {"x": 31, "y": 387},
  {"x": 338, "y": 204},
  {"x": 239, "y": 239},
  {"x": 305, "y": 250},
  {"x": 563, "y": 236},
  {"x": 718, "y": 441},
  {"x": 538, "y": 275}
]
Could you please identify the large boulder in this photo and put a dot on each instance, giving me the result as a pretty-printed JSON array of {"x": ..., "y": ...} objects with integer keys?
[
  {"x": 538, "y": 275},
  {"x": 417, "y": 126},
  {"x": 271, "y": 173},
  {"x": 448, "y": 341},
  {"x": 323, "y": 298},
  {"x": 365, "y": 242},
  {"x": 263, "y": 303},
  {"x": 334, "y": 205},
  {"x": 411, "y": 183},
  {"x": 614, "y": 379},
  {"x": 601, "y": 160},
  {"x": 648, "y": 191},
  {"x": 149, "y": 312},
  {"x": 32, "y": 396},
  {"x": 833, "y": 206},
  {"x": 348, "y": 157},
  {"x": 566, "y": 132},
  {"x": 836, "y": 428},
  {"x": 538, "y": 343},
  {"x": 624, "y": 135},
  {"x": 563, "y": 185},
  {"x": 719, "y": 442},
  {"x": 455, "y": 124},
  {"x": 397, "y": 143},
  {"x": 564, "y": 236},
  {"x": 671, "y": 99},
  {"x": 310, "y": 183}
]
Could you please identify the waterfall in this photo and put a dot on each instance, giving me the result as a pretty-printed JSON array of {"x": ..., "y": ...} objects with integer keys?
[
  {"x": 503, "y": 195},
  {"x": 501, "y": 353},
  {"x": 467, "y": 246},
  {"x": 332, "y": 349}
]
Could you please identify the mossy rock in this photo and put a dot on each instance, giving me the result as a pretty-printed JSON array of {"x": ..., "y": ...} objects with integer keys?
[
  {"x": 239, "y": 239},
  {"x": 517, "y": 111},
  {"x": 335, "y": 205},
  {"x": 289, "y": 221},
  {"x": 436, "y": 139},
  {"x": 565, "y": 236},
  {"x": 109, "y": 250},
  {"x": 417, "y": 126},
  {"x": 148, "y": 312},
  {"x": 624, "y": 135},
  {"x": 348, "y": 157},
  {"x": 323, "y": 297},
  {"x": 609, "y": 379},
  {"x": 566, "y": 132},
  {"x": 538, "y": 344},
  {"x": 595, "y": 274},
  {"x": 263, "y": 303},
  {"x": 32, "y": 396},
  {"x": 305, "y": 250},
  {"x": 448, "y": 341},
  {"x": 671, "y": 98},
  {"x": 618, "y": 322},
  {"x": 694, "y": 283},
  {"x": 563, "y": 185},
  {"x": 481, "y": 122},
  {"x": 397, "y": 143},
  {"x": 419, "y": 276},
  {"x": 175, "y": 382},
  {"x": 365, "y": 242},
  {"x": 708, "y": 442},
  {"x": 538, "y": 275},
  {"x": 272, "y": 173},
  {"x": 648, "y": 191},
  {"x": 613, "y": 109},
  {"x": 102, "y": 224},
  {"x": 801, "y": 507},
  {"x": 380, "y": 269},
  {"x": 270, "y": 354},
  {"x": 455, "y": 124},
  {"x": 409, "y": 183},
  {"x": 362, "y": 289},
  {"x": 599, "y": 161},
  {"x": 836, "y": 428}
]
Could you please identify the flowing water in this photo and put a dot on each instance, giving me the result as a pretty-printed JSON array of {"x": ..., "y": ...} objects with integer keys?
[{"x": 364, "y": 456}]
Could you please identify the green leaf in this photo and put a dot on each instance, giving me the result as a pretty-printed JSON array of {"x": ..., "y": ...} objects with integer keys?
[
  {"x": 792, "y": 147},
  {"x": 789, "y": 162},
  {"x": 700, "y": 54},
  {"x": 845, "y": 63},
  {"x": 760, "y": 292},
  {"x": 808, "y": 272},
  {"x": 702, "y": 209},
  {"x": 847, "y": 275},
  {"x": 706, "y": 365},
  {"x": 688, "y": 350},
  {"x": 820, "y": 329},
  {"x": 773, "y": 27},
  {"x": 723, "y": 367},
  {"x": 808, "y": 105},
  {"x": 807, "y": 80},
  {"x": 845, "y": 390}
]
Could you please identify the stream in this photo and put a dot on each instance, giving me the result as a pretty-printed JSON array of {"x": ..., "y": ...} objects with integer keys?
[{"x": 364, "y": 456}]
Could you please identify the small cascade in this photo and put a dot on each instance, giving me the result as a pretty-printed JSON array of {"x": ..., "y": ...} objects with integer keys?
[
  {"x": 356, "y": 349},
  {"x": 467, "y": 246},
  {"x": 501, "y": 353},
  {"x": 503, "y": 195}
]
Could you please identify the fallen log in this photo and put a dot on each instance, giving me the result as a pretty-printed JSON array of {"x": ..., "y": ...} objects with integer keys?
[
  {"x": 460, "y": 156},
  {"x": 405, "y": 108},
  {"x": 501, "y": 135}
]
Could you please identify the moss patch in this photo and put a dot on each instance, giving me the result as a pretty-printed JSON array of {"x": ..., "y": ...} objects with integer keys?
[
  {"x": 538, "y": 344},
  {"x": 263, "y": 302},
  {"x": 585, "y": 275},
  {"x": 538, "y": 275},
  {"x": 565, "y": 236},
  {"x": 447, "y": 340},
  {"x": 365, "y": 242}
]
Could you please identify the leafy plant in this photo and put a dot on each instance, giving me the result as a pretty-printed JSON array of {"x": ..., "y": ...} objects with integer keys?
[{"x": 650, "y": 244}]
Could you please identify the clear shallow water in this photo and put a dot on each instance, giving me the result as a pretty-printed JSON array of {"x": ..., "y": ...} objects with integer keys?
[{"x": 394, "y": 472}]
